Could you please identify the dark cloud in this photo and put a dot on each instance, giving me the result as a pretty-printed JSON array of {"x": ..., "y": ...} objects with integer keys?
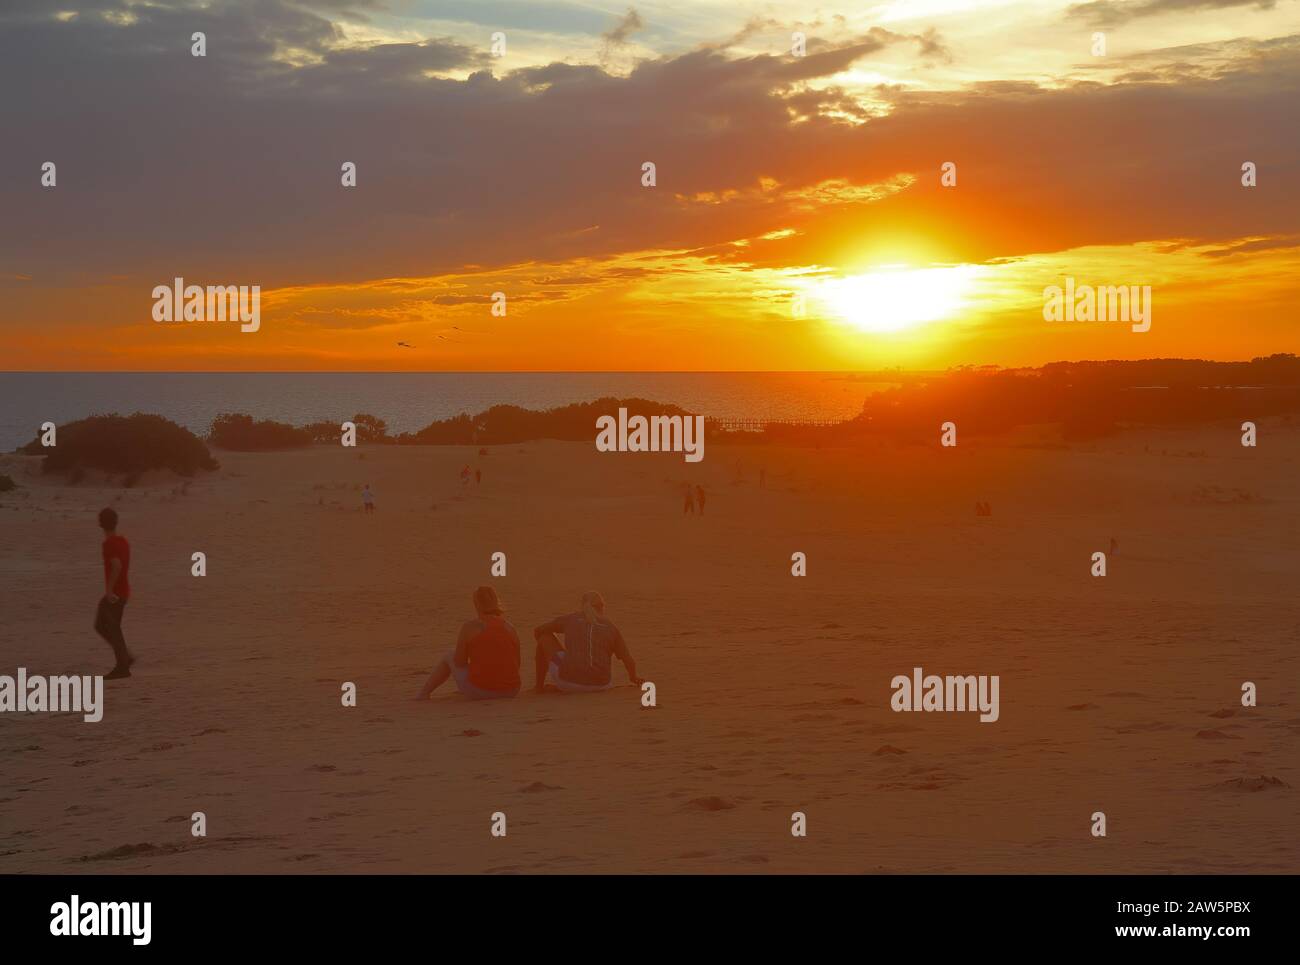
[
  {"x": 622, "y": 31},
  {"x": 227, "y": 168},
  {"x": 1112, "y": 13}
]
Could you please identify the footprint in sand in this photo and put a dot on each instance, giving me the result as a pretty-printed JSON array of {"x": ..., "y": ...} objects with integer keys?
[
  {"x": 537, "y": 787},
  {"x": 1216, "y": 735},
  {"x": 1142, "y": 727},
  {"x": 1261, "y": 783},
  {"x": 333, "y": 815},
  {"x": 710, "y": 804},
  {"x": 129, "y": 851}
]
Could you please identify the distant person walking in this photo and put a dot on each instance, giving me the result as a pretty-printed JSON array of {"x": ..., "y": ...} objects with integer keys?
[
  {"x": 478, "y": 477},
  {"x": 688, "y": 497},
  {"x": 699, "y": 498},
  {"x": 464, "y": 476},
  {"x": 368, "y": 499},
  {"x": 117, "y": 590}
]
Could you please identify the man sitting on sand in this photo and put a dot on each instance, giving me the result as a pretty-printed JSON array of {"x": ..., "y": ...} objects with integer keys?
[
  {"x": 485, "y": 663},
  {"x": 117, "y": 590},
  {"x": 582, "y": 663}
]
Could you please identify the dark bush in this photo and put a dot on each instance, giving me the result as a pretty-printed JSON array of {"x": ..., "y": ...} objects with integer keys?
[
  {"x": 7, "y": 484},
  {"x": 503, "y": 424},
  {"x": 239, "y": 433},
  {"x": 123, "y": 444},
  {"x": 370, "y": 428}
]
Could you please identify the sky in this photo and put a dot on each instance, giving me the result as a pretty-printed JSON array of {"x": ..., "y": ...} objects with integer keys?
[{"x": 799, "y": 218}]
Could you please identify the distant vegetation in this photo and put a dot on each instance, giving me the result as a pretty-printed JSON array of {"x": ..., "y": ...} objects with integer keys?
[
  {"x": 7, "y": 484},
  {"x": 1087, "y": 399},
  {"x": 123, "y": 444},
  {"x": 503, "y": 424},
  {"x": 239, "y": 433}
]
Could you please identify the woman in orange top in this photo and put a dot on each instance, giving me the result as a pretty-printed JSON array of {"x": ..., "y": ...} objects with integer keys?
[{"x": 485, "y": 663}]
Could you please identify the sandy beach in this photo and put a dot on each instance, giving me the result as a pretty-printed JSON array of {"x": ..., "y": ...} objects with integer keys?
[{"x": 1118, "y": 694}]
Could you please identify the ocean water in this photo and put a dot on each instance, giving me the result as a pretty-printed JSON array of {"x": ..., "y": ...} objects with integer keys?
[{"x": 408, "y": 401}]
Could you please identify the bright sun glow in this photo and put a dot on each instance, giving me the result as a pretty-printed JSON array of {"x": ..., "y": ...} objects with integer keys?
[{"x": 894, "y": 298}]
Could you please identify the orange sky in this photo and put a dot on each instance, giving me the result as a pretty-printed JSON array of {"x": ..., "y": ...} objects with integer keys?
[{"x": 798, "y": 221}]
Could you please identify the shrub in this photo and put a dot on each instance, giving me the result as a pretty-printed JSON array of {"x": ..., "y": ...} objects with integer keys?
[
  {"x": 124, "y": 444},
  {"x": 240, "y": 433},
  {"x": 7, "y": 484},
  {"x": 370, "y": 428},
  {"x": 503, "y": 424}
]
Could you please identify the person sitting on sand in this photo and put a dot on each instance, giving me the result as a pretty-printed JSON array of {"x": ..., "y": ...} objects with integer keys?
[
  {"x": 485, "y": 663},
  {"x": 582, "y": 663}
]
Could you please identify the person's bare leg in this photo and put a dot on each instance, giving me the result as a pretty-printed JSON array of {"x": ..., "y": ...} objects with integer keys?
[
  {"x": 548, "y": 645},
  {"x": 441, "y": 674}
]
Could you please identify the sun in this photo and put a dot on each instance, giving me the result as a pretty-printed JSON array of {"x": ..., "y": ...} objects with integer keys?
[{"x": 895, "y": 297}]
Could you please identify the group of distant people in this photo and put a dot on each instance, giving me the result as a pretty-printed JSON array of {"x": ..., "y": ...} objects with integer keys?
[
  {"x": 691, "y": 498},
  {"x": 368, "y": 494},
  {"x": 485, "y": 663}
]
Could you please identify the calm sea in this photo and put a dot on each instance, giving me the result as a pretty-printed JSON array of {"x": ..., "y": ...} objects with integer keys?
[{"x": 408, "y": 401}]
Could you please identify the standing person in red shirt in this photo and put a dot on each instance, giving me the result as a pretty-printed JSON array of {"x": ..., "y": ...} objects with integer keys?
[{"x": 117, "y": 590}]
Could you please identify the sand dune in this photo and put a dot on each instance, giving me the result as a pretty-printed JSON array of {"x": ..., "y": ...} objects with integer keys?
[{"x": 1118, "y": 694}]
